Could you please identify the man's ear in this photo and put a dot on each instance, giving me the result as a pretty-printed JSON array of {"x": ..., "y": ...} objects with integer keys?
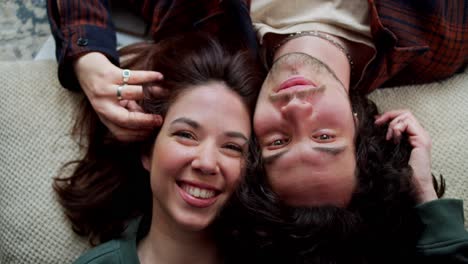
[{"x": 146, "y": 161}]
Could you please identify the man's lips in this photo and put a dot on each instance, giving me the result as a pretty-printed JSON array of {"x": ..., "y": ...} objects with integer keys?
[{"x": 294, "y": 82}]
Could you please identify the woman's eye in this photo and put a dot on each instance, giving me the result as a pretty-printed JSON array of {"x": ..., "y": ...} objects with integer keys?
[
  {"x": 184, "y": 134},
  {"x": 234, "y": 147}
]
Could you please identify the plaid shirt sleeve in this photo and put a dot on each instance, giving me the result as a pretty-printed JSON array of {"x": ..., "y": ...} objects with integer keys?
[
  {"x": 81, "y": 26},
  {"x": 417, "y": 42}
]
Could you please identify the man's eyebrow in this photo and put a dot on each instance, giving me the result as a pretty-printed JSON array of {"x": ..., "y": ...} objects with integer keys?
[
  {"x": 273, "y": 157},
  {"x": 187, "y": 121},
  {"x": 331, "y": 150},
  {"x": 327, "y": 150},
  {"x": 236, "y": 134}
]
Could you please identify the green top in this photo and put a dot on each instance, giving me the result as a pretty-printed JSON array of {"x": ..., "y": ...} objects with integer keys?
[
  {"x": 122, "y": 250},
  {"x": 444, "y": 238}
]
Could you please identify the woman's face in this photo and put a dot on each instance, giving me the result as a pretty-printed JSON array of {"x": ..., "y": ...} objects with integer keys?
[{"x": 197, "y": 159}]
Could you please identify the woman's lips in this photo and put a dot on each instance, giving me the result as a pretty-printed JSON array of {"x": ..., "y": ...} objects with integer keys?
[{"x": 295, "y": 82}]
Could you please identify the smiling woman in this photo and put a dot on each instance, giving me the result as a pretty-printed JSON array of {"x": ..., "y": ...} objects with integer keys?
[
  {"x": 197, "y": 158},
  {"x": 170, "y": 188}
]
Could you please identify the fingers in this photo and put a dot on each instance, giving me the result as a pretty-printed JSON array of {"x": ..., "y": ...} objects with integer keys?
[
  {"x": 131, "y": 88},
  {"x": 133, "y": 106},
  {"x": 396, "y": 127},
  {"x": 99, "y": 79},
  {"x": 157, "y": 91},
  {"x": 135, "y": 92},
  {"x": 131, "y": 119},
  {"x": 387, "y": 116},
  {"x": 129, "y": 126},
  {"x": 403, "y": 121},
  {"x": 139, "y": 77},
  {"x": 125, "y": 119},
  {"x": 129, "y": 92},
  {"x": 124, "y": 134}
]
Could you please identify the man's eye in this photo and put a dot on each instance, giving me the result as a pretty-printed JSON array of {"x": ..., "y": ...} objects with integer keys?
[
  {"x": 325, "y": 137},
  {"x": 278, "y": 142}
]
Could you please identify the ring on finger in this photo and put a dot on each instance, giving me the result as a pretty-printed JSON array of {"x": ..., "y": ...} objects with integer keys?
[
  {"x": 119, "y": 91},
  {"x": 126, "y": 75}
]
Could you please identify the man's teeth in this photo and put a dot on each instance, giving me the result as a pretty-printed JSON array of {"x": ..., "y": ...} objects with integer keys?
[{"x": 198, "y": 192}]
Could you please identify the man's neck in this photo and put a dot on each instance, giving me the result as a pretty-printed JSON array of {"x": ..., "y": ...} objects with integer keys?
[
  {"x": 165, "y": 244},
  {"x": 322, "y": 50}
]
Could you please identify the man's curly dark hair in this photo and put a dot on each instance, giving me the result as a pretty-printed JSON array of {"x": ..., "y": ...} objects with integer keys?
[{"x": 378, "y": 226}]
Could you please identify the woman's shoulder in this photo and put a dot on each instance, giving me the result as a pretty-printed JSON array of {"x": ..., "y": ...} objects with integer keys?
[
  {"x": 109, "y": 252},
  {"x": 122, "y": 250}
]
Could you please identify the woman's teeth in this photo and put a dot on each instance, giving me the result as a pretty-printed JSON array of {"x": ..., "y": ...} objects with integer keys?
[{"x": 198, "y": 192}]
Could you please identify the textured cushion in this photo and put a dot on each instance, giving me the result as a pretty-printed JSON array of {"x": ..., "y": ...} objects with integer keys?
[
  {"x": 442, "y": 109},
  {"x": 36, "y": 115}
]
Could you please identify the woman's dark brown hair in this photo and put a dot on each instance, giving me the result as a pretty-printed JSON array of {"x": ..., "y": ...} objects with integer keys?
[{"x": 108, "y": 186}]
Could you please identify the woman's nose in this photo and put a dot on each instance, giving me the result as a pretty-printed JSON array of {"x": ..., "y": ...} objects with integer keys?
[{"x": 206, "y": 160}]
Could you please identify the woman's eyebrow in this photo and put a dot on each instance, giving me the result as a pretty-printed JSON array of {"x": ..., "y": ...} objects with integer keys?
[
  {"x": 236, "y": 134},
  {"x": 196, "y": 125},
  {"x": 187, "y": 121}
]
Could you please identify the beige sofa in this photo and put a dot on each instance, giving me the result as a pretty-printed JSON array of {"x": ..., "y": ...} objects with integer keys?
[{"x": 35, "y": 120}]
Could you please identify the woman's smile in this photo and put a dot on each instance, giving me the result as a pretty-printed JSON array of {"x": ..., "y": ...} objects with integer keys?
[{"x": 197, "y": 197}]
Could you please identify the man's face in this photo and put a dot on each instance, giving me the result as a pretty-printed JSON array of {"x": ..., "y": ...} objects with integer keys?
[{"x": 306, "y": 128}]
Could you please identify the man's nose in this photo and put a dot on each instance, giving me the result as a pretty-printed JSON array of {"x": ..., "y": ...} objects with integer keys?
[
  {"x": 206, "y": 160},
  {"x": 297, "y": 109}
]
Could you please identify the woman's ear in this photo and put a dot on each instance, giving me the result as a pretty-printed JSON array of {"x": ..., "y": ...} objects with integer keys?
[{"x": 146, "y": 161}]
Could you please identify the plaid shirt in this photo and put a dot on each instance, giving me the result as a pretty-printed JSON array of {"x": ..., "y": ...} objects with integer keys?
[
  {"x": 416, "y": 41},
  {"x": 80, "y": 27}
]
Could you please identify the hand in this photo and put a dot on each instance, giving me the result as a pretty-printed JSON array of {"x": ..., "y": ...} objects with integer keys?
[
  {"x": 420, "y": 160},
  {"x": 99, "y": 79}
]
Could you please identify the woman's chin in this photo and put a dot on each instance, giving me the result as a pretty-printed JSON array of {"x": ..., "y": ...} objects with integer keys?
[{"x": 194, "y": 225}]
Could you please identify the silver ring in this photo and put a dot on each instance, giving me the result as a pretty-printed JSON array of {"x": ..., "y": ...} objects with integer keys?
[
  {"x": 126, "y": 75},
  {"x": 119, "y": 91}
]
